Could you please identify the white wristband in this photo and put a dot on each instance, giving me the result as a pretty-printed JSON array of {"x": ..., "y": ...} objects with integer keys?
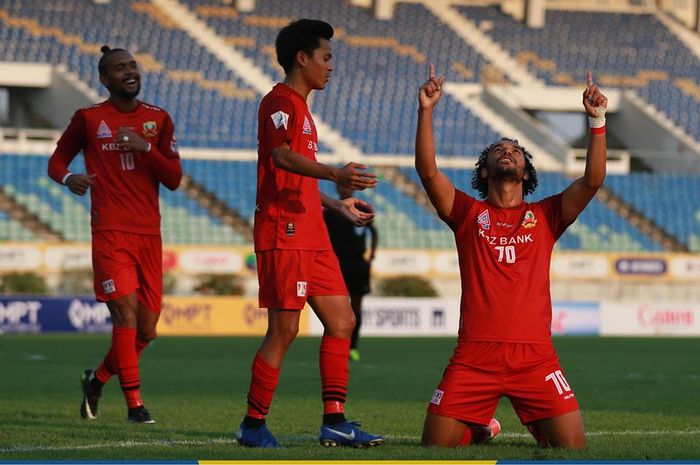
[
  {"x": 63, "y": 181},
  {"x": 598, "y": 121}
]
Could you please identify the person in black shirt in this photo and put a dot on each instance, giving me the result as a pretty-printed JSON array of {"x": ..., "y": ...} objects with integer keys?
[{"x": 350, "y": 245}]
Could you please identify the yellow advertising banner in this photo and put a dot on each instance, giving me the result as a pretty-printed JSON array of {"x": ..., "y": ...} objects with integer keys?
[{"x": 216, "y": 316}]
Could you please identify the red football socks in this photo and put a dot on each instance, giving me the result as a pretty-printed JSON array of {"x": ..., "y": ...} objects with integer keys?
[
  {"x": 263, "y": 383},
  {"x": 108, "y": 367},
  {"x": 124, "y": 348},
  {"x": 467, "y": 438},
  {"x": 333, "y": 362}
]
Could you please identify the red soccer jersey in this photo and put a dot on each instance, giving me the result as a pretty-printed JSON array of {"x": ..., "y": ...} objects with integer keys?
[
  {"x": 124, "y": 196},
  {"x": 504, "y": 257},
  {"x": 288, "y": 213}
]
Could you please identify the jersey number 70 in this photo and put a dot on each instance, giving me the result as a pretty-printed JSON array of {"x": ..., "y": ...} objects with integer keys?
[{"x": 507, "y": 252}]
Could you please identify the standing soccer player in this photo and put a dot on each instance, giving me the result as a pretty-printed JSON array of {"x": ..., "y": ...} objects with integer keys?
[
  {"x": 295, "y": 260},
  {"x": 504, "y": 246},
  {"x": 130, "y": 149},
  {"x": 350, "y": 246}
]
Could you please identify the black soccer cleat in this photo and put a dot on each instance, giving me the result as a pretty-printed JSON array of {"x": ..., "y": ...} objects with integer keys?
[
  {"x": 141, "y": 416},
  {"x": 91, "y": 397}
]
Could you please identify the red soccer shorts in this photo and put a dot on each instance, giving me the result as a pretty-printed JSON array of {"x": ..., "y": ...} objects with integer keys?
[
  {"x": 124, "y": 263},
  {"x": 288, "y": 277},
  {"x": 480, "y": 373}
]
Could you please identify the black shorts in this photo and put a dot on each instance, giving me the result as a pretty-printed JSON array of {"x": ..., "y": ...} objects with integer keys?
[{"x": 356, "y": 276}]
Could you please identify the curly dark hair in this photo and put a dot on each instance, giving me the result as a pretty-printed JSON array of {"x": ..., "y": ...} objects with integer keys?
[{"x": 481, "y": 185}]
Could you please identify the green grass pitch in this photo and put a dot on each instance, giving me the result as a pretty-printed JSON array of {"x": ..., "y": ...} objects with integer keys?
[{"x": 640, "y": 400}]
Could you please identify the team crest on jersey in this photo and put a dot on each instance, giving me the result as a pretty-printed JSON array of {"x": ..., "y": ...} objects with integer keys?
[
  {"x": 103, "y": 131},
  {"x": 280, "y": 119},
  {"x": 484, "y": 220},
  {"x": 307, "y": 126},
  {"x": 529, "y": 220},
  {"x": 150, "y": 129}
]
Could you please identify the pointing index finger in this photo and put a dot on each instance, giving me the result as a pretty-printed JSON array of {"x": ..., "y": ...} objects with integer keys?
[
  {"x": 431, "y": 73},
  {"x": 589, "y": 79}
]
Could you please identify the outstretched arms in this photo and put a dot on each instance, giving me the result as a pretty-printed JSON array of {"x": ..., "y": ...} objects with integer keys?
[
  {"x": 437, "y": 185},
  {"x": 582, "y": 190}
]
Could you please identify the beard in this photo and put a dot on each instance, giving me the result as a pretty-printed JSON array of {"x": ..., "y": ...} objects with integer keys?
[
  {"x": 505, "y": 173},
  {"x": 124, "y": 94}
]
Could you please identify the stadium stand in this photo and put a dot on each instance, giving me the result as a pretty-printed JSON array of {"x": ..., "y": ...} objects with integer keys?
[
  {"x": 179, "y": 75},
  {"x": 11, "y": 230},
  {"x": 664, "y": 198},
  {"x": 370, "y": 100},
  {"x": 632, "y": 51},
  {"x": 377, "y": 66},
  {"x": 233, "y": 182},
  {"x": 24, "y": 178}
]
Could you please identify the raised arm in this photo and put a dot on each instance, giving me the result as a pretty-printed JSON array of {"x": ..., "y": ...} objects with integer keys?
[
  {"x": 437, "y": 185},
  {"x": 582, "y": 190}
]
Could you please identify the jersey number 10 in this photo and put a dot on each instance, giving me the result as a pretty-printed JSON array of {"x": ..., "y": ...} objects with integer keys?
[{"x": 127, "y": 160}]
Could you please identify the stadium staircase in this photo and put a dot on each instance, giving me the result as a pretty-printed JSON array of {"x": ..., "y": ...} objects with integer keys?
[
  {"x": 27, "y": 219},
  {"x": 636, "y": 218},
  {"x": 406, "y": 185},
  {"x": 690, "y": 39},
  {"x": 217, "y": 208},
  {"x": 481, "y": 42},
  {"x": 499, "y": 117}
]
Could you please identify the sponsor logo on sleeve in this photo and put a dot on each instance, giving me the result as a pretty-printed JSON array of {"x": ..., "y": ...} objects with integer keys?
[
  {"x": 103, "y": 131},
  {"x": 108, "y": 286},
  {"x": 301, "y": 288},
  {"x": 307, "y": 126},
  {"x": 483, "y": 220},
  {"x": 173, "y": 145},
  {"x": 280, "y": 119}
]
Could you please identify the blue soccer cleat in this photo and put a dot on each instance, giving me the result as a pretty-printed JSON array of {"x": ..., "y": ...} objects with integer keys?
[
  {"x": 256, "y": 437},
  {"x": 349, "y": 434}
]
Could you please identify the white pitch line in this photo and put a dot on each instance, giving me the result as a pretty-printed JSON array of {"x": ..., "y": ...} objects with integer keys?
[
  {"x": 130, "y": 444},
  {"x": 120, "y": 445}
]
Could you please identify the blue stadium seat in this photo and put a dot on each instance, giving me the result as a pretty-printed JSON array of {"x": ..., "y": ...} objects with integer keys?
[
  {"x": 183, "y": 221},
  {"x": 371, "y": 97},
  {"x": 667, "y": 199},
  {"x": 633, "y": 51}
]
